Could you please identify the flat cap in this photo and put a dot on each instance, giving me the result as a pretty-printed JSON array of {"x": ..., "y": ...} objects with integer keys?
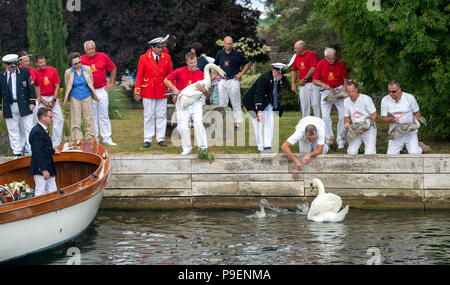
[
  {"x": 159, "y": 41},
  {"x": 11, "y": 59},
  {"x": 280, "y": 67}
]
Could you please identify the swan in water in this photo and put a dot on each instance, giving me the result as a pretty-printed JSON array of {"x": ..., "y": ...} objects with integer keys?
[
  {"x": 355, "y": 129},
  {"x": 261, "y": 213},
  {"x": 190, "y": 94},
  {"x": 402, "y": 129},
  {"x": 336, "y": 94},
  {"x": 325, "y": 207}
]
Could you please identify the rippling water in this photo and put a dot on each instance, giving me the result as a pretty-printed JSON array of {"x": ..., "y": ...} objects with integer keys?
[{"x": 203, "y": 237}]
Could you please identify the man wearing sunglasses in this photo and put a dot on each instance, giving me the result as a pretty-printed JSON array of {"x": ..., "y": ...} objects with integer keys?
[{"x": 403, "y": 106}]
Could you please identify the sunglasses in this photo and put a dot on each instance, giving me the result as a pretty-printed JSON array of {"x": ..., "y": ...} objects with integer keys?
[
  {"x": 393, "y": 91},
  {"x": 76, "y": 63}
]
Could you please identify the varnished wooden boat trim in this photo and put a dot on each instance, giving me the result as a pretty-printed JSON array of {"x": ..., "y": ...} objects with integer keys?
[{"x": 93, "y": 153}]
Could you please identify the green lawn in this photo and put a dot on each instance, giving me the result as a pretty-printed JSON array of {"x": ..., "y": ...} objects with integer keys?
[{"x": 128, "y": 134}]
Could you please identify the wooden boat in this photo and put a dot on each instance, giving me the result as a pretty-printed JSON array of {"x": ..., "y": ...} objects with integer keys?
[{"x": 35, "y": 224}]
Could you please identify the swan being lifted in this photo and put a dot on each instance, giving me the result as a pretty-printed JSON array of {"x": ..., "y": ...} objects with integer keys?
[
  {"x": 403, "y": 129},
  {"x": 190, "y": 94},
  {"x": 325, "y": 207},
  {"x": 355, "y": 129}
]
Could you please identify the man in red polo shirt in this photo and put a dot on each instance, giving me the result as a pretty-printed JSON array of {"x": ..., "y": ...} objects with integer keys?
[
  {"x": 47, "y": 91},
  {"x": 184, "y": 77},
  {"x": 331, "y": 73},
  {"x": 100, "y": 63},
  {"x": 305, "y": 65}
]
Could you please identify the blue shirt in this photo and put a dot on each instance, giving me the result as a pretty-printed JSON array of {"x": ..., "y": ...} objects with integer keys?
[
  {"x": 80, "y": 89},
  {"x": 230, "y": 63},
  {"x": 201, "y": 63}
]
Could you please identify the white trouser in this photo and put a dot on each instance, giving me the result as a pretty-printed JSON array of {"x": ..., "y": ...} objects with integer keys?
[
  {"x": 265, "y": 140},
  {"x": 44, "y": 186},
  {"x": 307, "y": 147},
  {"x": 309, "y": 97},
  {"x": 326, "y": 110},
  {"x": 14, "y": 125},
  {"x": 155, "y": 120},
  {"x": 231, "y": 89},
  {"x": 410, "y": 141},
  {"x": 101, "y": 116},
  {"x": 194, "y": 111},
  {"x": 58, "y": 120},
  {"x": 370, "y": 141},
  {"x": 23, "y": 135}
]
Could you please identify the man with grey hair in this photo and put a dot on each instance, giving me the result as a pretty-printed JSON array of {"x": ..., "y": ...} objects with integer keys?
[
  {"x": 330, "y": 74},
  {"x": 100, "y": 63},
  {"x": 311, "y": 137},
  {"x": 305, "y": 65}
]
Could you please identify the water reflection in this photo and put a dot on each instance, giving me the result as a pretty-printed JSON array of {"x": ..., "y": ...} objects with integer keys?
[{"x": 235, "y": 237}]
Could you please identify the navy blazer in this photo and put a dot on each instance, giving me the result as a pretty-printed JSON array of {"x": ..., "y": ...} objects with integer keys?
[
  {"x": 260, "y": 95},
  {"x": 25, "y": 93},
  {"x": 42, "y": 151}
]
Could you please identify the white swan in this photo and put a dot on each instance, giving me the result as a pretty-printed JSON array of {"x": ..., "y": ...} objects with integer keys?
[
  {"x": 261, "y": 213},
  {"x": 336, "y": 94},
  {"x": 355, "y": 129},
  {"x": 325, "y": 207},
  {"x": 190, "y": 94},
  {"x": 402, "y": 129}
]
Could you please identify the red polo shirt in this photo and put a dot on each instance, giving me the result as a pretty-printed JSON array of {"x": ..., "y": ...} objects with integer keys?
[
  {"x": 32, "y": 74},
  {"x": 46, "y": 80},
  {"x": 331, "y": 74},
  {"x": 303, "y": 63},
  {"x": 99, "y": 63},
  {"x": 183, "y": 77}
]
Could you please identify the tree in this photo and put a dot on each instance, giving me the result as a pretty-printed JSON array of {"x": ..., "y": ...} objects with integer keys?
[
  {"x": 406, "y": 40},
  {"x": 47, "y": 32},
  {"x": 13, "y": 28},
  {"x": 296, "y": 20},
  {"x": 123, "y": 32}
]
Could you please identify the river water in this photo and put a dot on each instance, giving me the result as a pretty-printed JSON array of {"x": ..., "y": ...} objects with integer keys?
[{"x": 207, "y": 237}]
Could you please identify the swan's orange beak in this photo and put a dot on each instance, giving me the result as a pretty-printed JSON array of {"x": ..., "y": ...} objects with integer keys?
[{"x": 311, "y": 187}]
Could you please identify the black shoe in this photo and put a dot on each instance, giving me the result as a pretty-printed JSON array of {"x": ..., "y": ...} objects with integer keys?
[
  {"x": 18, "y": 155},
  {"x": 146, "y": 144},
  {"x": 268, "y": 150},
  {"x": 259, "y": 151},
  {"x": 162, "y": 143}
]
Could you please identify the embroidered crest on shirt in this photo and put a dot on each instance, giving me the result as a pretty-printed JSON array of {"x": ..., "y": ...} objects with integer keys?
[
  {"x": 93, "y": 68},
  {"x": 46, "y": 81},
  {"x": 331, "y": 76},
  {"x": 226, "y": 63}
]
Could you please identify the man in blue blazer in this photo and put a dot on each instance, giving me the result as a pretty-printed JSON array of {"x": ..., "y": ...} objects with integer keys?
[
  {"x": 42, "y": 166},
  {"x": 261, "y": 101},
  {"x": 18, "y": 100}
]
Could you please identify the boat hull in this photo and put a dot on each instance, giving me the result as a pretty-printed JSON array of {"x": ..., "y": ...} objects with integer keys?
[
  {"x": 39, "y": 233},
  {"x": 36, "y": 224}
]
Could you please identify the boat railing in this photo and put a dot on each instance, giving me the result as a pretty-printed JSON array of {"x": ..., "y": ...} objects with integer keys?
[{"x": 3, "y": 192}]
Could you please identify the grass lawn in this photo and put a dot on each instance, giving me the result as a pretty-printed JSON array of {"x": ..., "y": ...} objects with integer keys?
[{"x": 128, "y": 134}]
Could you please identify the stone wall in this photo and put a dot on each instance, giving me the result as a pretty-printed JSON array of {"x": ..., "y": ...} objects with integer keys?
[{"x": 240, "y": 181}]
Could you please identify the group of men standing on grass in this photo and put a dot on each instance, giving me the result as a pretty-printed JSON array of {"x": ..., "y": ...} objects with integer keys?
[{"x": 25, "y": 89}]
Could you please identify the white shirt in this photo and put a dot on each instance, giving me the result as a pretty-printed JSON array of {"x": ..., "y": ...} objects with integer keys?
[
  {"x": 358, "y": 110},
  {"x": 14, "y": 82},
  {"x": 300, "y": 130},
  {"x": 154, "y": 56},
  {"x": 404, "y": 109}
]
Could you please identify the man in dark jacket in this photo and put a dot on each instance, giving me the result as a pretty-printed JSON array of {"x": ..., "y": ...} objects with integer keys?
[
  {"x": 261, "y": 100},
  {"x": 17, "y": 100},
  {"x": 42, "y": 165}
]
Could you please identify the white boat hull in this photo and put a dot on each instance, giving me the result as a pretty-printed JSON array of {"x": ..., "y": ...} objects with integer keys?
[{"x": 27, "y": 236}]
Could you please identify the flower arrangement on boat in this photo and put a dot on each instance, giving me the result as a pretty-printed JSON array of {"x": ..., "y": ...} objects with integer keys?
[{"x": 22, "y": 188}]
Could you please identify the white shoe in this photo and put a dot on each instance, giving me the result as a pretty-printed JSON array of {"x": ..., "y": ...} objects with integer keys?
[
  {"x": 186, "y": 152},
  {"x": 109, "y": 142},
  {"x": 341, "y": 146}
]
